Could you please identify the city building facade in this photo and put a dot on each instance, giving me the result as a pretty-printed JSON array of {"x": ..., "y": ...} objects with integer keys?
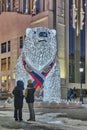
[
  {"x": 15, "y": 17},
  {"x": 72, "y": 42}
]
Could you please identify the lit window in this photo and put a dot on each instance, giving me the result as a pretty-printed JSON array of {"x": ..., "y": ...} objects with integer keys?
[
  {"x": 3, "y": 64},
  {"x": 3, "y": 47},
  {"x": 35, "y": 7},
  {"x": 4, "y": 78},
  {"x": 9, "y": 63},
  {"x": 13, "y": 76}
]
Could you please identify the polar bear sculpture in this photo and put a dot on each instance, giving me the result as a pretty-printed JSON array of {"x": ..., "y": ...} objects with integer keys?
[{"x": 38, "y": 61}]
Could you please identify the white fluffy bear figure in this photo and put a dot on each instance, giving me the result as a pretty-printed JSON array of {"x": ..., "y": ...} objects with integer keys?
[{"x": 38, "y": 61}]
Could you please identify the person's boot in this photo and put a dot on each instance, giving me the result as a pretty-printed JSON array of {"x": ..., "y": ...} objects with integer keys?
[
  {"x": 16, "y": 119},
  {"x": 29, "y": 120}
]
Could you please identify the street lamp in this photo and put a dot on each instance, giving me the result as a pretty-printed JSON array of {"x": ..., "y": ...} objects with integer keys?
[{"x": 81, "y": 95}]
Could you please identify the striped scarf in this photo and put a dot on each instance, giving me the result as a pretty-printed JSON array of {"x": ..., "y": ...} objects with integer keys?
[{"x": 38, "y": 77}]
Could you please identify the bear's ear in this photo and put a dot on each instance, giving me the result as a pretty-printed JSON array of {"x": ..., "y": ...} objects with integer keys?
[
  {"x": 53, "y": 31},
  {"x": 28, "y": 30}
]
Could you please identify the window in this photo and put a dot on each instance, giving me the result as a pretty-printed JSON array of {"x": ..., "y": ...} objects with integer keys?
[
  {"x": 21, "y": 42},
  {"x": 29, "y": 6},
  {"x": 3, "y": 64},
  {"x": 3, "y": 5},
  {"x": 43, "y": 5},
  {"x": 16, "y": 5},
  {"x": 33, "y": 7},
  {"x": 4, "y": 78},
  {"x": 37, "y": 6},
  {"x": 8, "y": 46},
  {"x": 76, "y": 47},
  {"x": 24, "y": 6},
  {"x": 9, "y": 4},
  {"x": 9, "y": 63},
  {"x": 13, "y": 5},
  {"x": 3, "y": 47}
]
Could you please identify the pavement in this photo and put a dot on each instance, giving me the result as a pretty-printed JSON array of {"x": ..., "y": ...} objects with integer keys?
[{"x": 64, "y": 116}]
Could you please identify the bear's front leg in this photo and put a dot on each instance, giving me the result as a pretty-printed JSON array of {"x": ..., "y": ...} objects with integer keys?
[{"x": 52, "y": 90}]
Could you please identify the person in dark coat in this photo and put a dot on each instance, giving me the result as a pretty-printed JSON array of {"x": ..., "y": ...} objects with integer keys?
[
  {"x": 69, "y": 94},
  {"x": 18, "y": 100},
  {"x": 74, "y": 93},
  {"x": 29, "y": 96}
]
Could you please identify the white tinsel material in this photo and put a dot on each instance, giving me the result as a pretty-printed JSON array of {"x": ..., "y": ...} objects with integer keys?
[{"x": 39, "y": 51}]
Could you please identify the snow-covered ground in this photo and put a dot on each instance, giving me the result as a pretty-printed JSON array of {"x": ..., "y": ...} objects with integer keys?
[
  {"x": 46, "y": 121},
  {"x": 46, "y": 118}
]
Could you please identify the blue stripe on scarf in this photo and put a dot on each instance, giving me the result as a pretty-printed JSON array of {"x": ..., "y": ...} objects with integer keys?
[{"x": 38, "y": 77}]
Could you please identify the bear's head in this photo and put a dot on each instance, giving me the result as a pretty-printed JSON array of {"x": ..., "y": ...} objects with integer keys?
[{"x": 39, "y": 47}]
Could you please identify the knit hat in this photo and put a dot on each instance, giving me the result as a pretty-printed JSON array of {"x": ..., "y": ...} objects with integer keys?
[
  {"x": 29, "y": 81},
  {"x": 20, "y": 83}
]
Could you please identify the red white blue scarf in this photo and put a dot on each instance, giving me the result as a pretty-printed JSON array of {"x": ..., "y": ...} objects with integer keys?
[{"x": 38, "y": 77}]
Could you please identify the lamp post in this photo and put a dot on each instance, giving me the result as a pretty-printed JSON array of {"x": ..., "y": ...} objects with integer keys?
[{"x": 81, "y": 95}]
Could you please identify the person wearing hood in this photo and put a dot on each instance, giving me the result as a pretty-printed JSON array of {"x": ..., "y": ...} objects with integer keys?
[
  {"x": 18, "y": 100},
  {"x": 29, "y": 96}
]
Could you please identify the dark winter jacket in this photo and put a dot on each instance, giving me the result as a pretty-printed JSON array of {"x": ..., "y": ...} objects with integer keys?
[
  {"x": 18, "y": 95},
  {"x": 29, "y": 93}
]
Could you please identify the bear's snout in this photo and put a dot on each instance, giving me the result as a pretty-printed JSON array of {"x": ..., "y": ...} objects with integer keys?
[{"x": 42, "y": 34}]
